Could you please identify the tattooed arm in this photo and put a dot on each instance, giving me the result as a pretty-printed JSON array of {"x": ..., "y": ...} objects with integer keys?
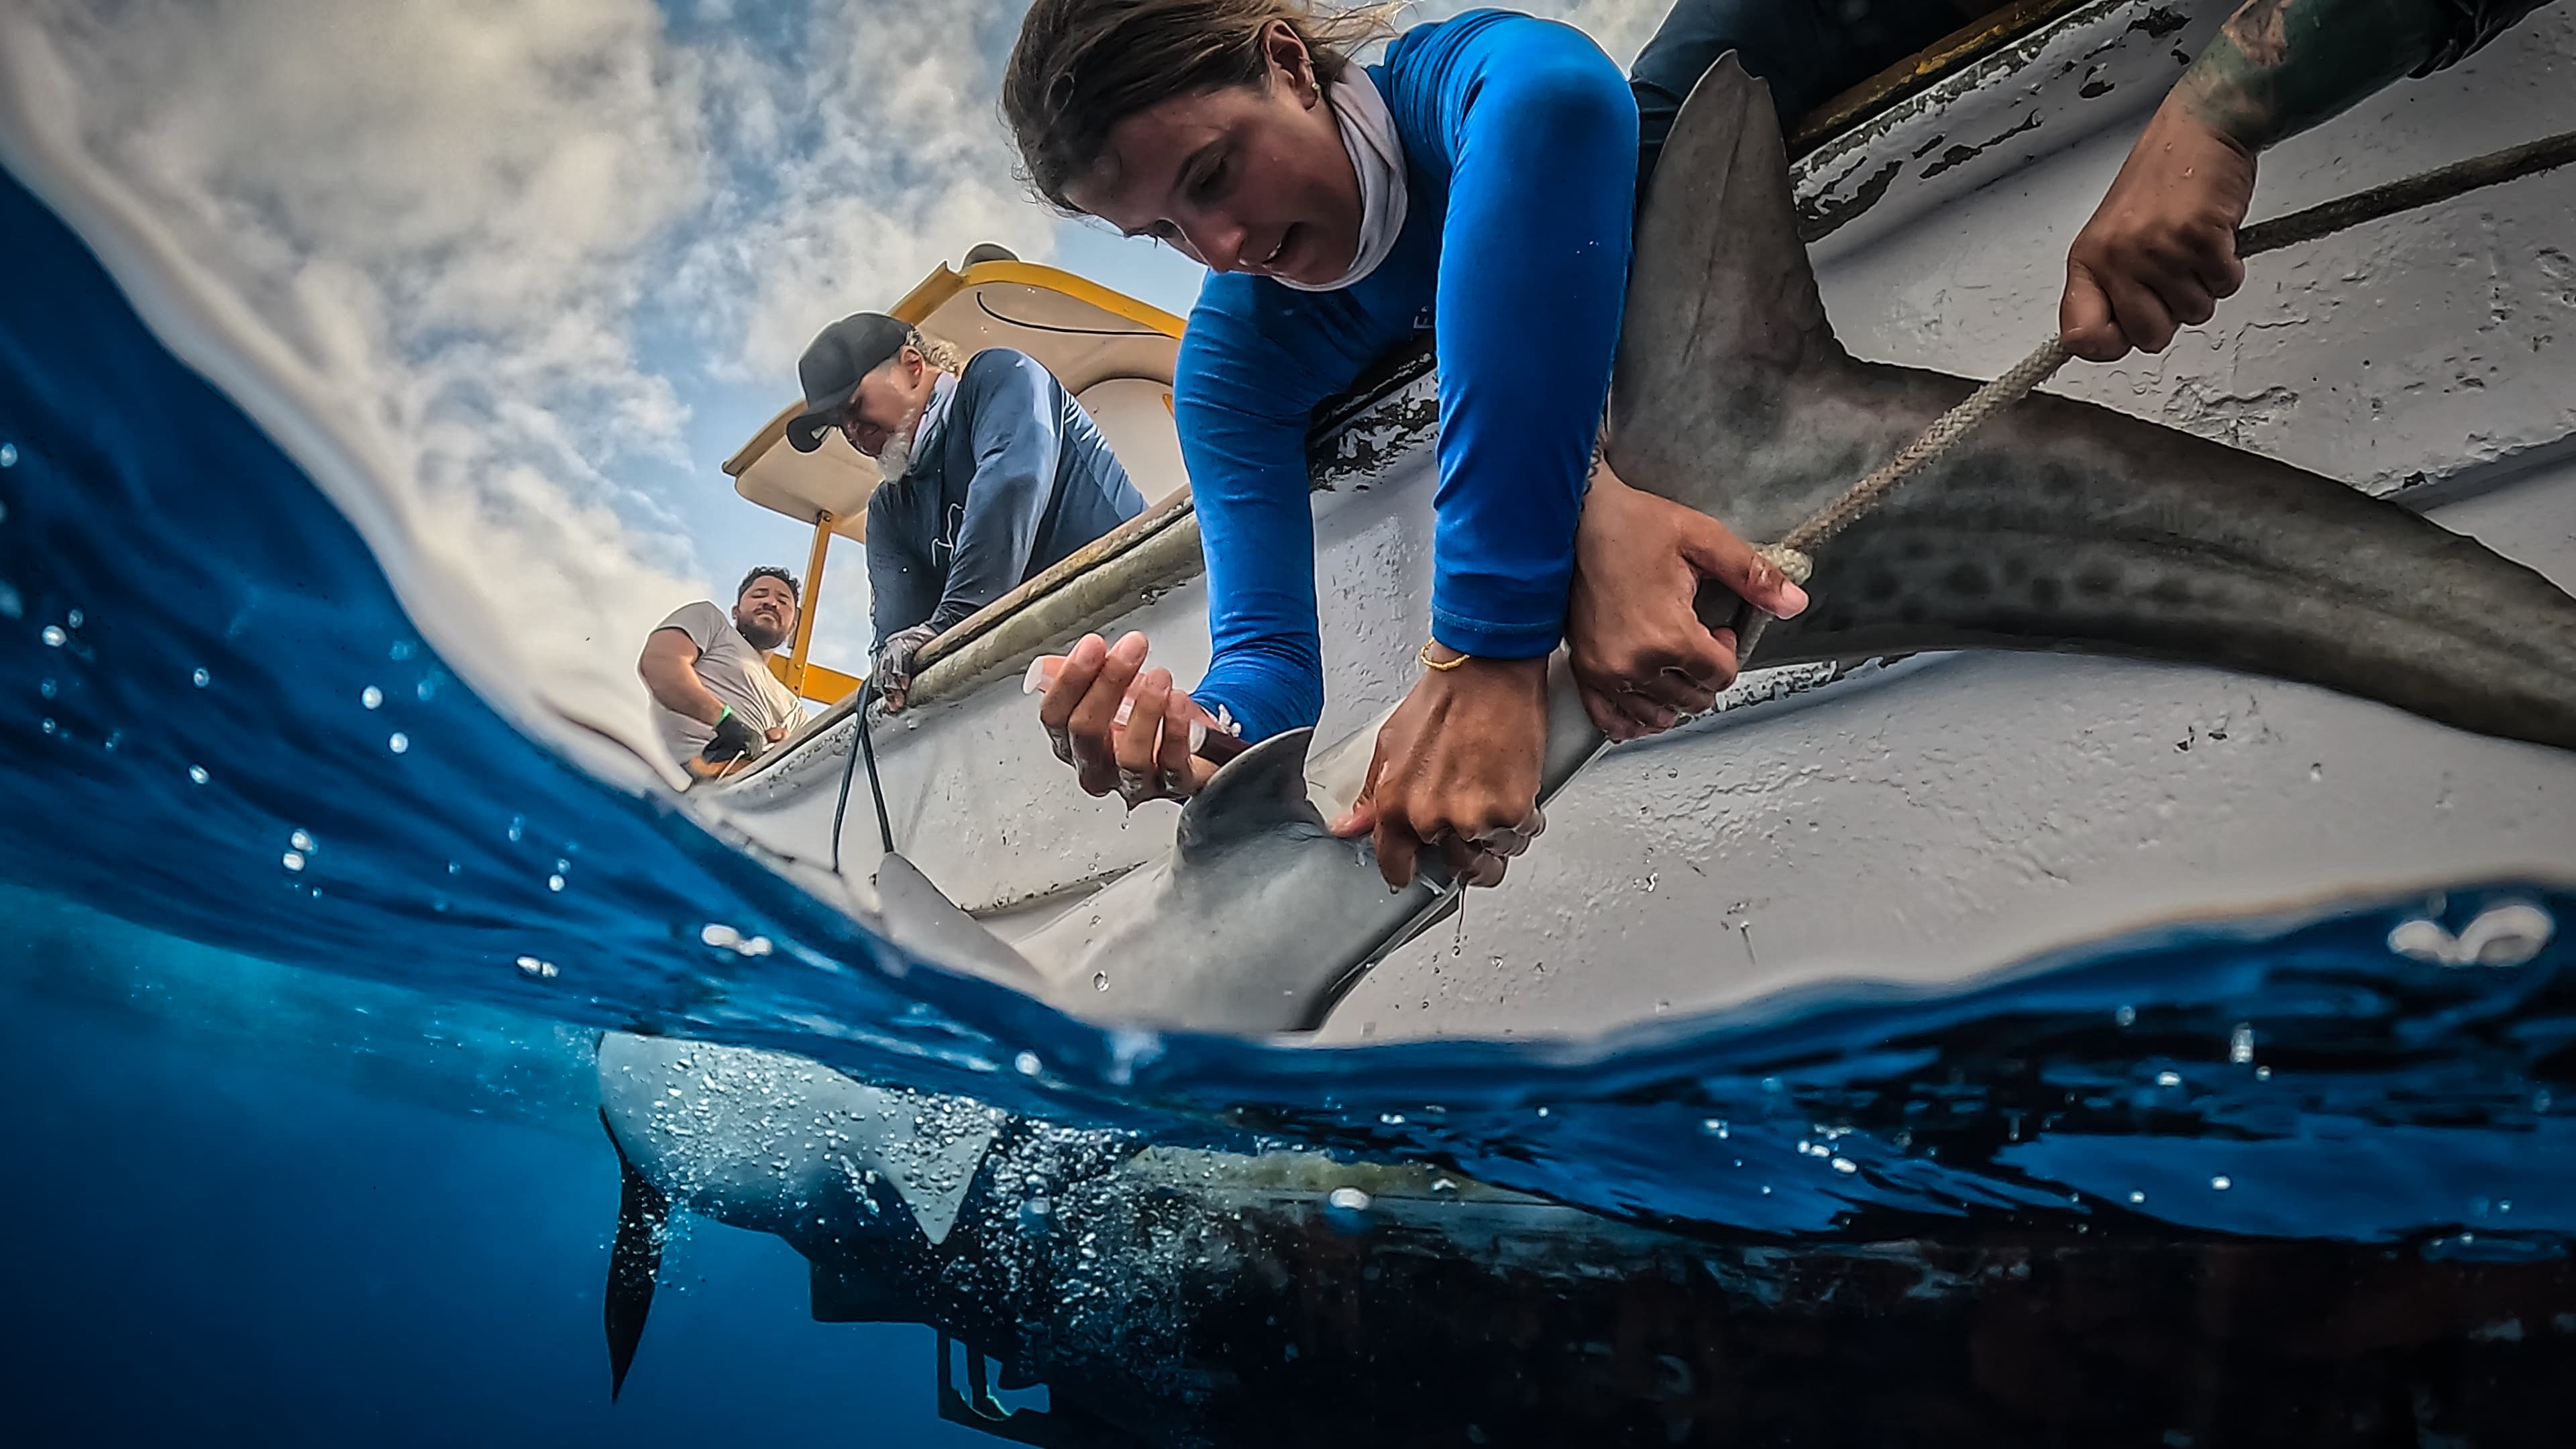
[{"x": 2161, "y": 249}]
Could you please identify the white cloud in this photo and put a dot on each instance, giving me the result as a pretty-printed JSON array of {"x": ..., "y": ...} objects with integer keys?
[
  {"x": 449, "y": 213},
  {"x": 879, "y": 155}
]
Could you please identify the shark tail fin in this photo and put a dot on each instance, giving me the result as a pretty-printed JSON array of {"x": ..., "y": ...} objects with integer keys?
[{"x": 643, "y": 1225}]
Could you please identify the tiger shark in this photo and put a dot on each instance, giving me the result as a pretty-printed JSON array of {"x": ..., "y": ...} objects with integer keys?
[{"x": 2058, "y": 526}]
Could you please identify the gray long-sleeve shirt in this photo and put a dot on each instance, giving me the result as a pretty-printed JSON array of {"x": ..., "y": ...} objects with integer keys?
[{"x": 1014, "y": 477}]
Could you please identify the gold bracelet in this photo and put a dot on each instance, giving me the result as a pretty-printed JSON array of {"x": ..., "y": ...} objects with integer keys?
[{"x": 1444, "y": 666}]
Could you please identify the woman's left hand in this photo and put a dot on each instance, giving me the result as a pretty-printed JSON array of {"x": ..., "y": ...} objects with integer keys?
[
  {"x": 1457, "y": 768},
  {"x": 1640, "y": 655}
]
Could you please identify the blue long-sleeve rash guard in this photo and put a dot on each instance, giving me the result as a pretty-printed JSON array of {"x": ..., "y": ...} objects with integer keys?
[{"x": 1520, "y": 149}]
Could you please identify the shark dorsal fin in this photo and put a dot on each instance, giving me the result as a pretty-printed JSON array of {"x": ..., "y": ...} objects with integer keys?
[
  {"x": 922, "y": 919},
  {"x": 1258, "y": 790},
  {"x": 1720, "y": 278},
  {"x": 1722, "y": 318}
]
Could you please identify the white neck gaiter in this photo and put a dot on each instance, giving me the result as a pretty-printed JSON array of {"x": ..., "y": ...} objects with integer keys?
[{"x": 1377, "y": 154}]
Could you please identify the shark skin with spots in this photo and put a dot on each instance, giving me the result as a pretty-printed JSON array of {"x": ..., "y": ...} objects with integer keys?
[{"x": 2058, "y": 526}]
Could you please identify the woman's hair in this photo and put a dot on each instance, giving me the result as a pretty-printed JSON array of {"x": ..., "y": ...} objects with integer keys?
[{"x": 1082, "y": 66}]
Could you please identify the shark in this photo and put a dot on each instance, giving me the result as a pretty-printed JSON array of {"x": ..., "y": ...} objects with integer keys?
[{"x": 2058, "y": 526}]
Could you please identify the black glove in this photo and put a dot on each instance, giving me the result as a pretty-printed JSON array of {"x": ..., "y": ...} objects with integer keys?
[
  {"x": 894, "y": 662},
  {"x": 734, "y": 740}
]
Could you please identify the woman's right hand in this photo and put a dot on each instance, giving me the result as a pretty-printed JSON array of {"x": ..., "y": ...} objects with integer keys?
[
  {"x": 1640, "y": 655},
  {"x": 1148, "y": 756}
]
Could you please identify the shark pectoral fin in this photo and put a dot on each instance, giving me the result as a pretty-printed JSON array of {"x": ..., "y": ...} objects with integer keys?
[
  {"x": 1258, "y": 791},
  {"x": 643, "y": 1225},
  {"x": 923, "y": 920}
]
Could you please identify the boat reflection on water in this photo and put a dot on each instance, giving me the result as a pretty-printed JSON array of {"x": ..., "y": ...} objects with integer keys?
[{"x": 1091, "y": 1289}]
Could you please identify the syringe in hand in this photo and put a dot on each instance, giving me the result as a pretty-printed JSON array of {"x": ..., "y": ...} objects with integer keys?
[{"x": 1207, "y": 741}]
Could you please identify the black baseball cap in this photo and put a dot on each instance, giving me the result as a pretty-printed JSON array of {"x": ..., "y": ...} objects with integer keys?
[{"x": 833, "y": 363}]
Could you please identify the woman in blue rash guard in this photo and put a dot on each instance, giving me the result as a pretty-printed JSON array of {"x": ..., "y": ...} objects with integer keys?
[{"x": 1486, "y": 174}]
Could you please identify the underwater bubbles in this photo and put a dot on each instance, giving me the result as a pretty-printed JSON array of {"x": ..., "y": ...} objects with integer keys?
[
  {"x": 398, "y": 742},
  {"x": 54, "y": 636},
  {"x": 371, "y": 697},
  {"x": 8, "y": 455}
]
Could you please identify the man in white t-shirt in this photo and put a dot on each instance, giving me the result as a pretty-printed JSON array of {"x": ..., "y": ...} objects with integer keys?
[{"x": 714, "y": 698}]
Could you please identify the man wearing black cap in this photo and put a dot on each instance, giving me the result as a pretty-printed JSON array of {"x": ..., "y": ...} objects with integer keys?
[{"x": 992, "y": 472}]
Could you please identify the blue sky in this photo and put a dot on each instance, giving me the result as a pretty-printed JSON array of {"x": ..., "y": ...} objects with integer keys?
[{"x": 554, "y": 263}]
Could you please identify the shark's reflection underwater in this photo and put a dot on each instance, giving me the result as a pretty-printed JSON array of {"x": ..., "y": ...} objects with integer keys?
[{"x": 1168, "y": 1296}]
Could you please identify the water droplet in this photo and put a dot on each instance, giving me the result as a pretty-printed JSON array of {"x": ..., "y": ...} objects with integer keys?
[
  {"x": 2126, "y": 1016},
  {"x": 371, "y": 697},
  {"x": 201, "y": 678},
  {"x": 2262, "y": 1074},
  {"x": 2168, "y": 1079},
  {"x": 1390, "y": 1119},
  {"x": 76, "y": 618},
  {"x": 518, "y": 828},
  {"x": 2222, "y": 1182},
  {"x": 8, "y": 455},
  {"x": 54, "y": 635},
  {"x": 2540, "y": 1101},
  {"x": 50, "y": 726},
  {"x": 1542, "y": 1111},
  {"x": 554, "y": 883},
  {"x": 1714, "y": 1127},
  {"x": 1100, "y": 981},
  {"x": 1040, "y": 1207},
  {"x": 1845, "y": 1164},
  {"x": 1443, "y": 1187},
  {"x": 423, "y": 690},
  {"x": 197, "y": 774},
  {"x": 300, "y": 840},
  {"x": 1347, "y": 1199},
  {"x": 1027, "y": 1063},
  {"x": 547, "y": 971},
  {"x": 1771, "y": 1084},
  {"x": 401, "y": 651},
  {"x": 47, "y": 688},
  {"x": 2240, "y": 1044},
  {"x": 292, "y": 860},
  {"x": 398, "y": 742},
  {"x": 716, "y": 933},
  {"x": 2135, "y": 1196}
]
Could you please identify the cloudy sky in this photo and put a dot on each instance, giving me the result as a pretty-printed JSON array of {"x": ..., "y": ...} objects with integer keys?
[{"x": 561, "y": 256}]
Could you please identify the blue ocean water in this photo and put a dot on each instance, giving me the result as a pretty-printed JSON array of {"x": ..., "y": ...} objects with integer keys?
[{"x": 302, "y": 989}]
